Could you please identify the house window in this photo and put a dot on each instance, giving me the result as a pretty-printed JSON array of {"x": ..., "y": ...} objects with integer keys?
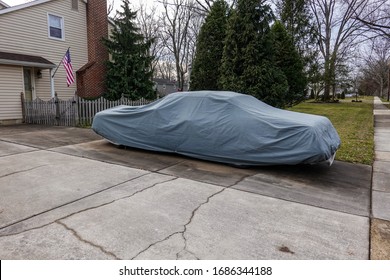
[
  {"x": 75, "y": 5},
  {"x": 56, "y": 27}
]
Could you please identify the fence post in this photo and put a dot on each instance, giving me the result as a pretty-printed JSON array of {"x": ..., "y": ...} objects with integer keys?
[
  {"x": 75, "y": 110},
  {"x": 57, "y": 104},
  {"x": 23, "y": 107}
]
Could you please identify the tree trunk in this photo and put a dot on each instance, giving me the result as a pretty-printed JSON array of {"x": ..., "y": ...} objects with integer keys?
[{"x": 327, "y": 81}]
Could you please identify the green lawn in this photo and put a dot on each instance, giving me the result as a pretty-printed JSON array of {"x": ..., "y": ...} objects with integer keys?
[{"x": 354, "y": 123}]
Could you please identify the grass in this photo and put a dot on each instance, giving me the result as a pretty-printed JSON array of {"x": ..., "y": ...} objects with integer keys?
[{"x": 354, "y": 123}]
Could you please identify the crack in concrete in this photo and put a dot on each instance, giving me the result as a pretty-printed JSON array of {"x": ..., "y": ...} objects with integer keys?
[
  {"x": 183, "y": 232},
  {"x": 21, "y": 171},
  {"x": 185, "y": 248},
  {"x": 77, "y": 235},
  {"x": 86, "y": 209},
  {"x": 155, "y": 243}
]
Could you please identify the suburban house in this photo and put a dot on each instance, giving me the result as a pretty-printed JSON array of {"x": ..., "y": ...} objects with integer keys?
[
  {"x": 165, "y": 86},
  {"x": 34, "y": 38}
]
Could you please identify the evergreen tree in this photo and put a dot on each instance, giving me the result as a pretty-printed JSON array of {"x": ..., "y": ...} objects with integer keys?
[
  {"x": 297, "y": 18},
  {"x": 248, "y": 61},
  {"x": 289, "y": 61},
  {"x": 128, "y": 71},
  {"x": 206, "y": 67}
]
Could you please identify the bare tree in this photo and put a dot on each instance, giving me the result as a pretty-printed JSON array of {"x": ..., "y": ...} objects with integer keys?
[
  {"x": 194, "y": 29},
  {"x": 377, "y": 18},
  {"x": 150, "y": 26},
  {"x": 110, "y": 6},
  {"x": 375, "y": 66},
  {"x": 165, "y": 68},
  {"x": 204, "y": 6},
  {"x": 178, "y": 36},
  {"x": 339, "y": 33}
]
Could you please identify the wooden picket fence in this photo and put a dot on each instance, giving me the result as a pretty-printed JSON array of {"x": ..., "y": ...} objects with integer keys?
[
  {"x": 87, "y": 109},
  {"x": 73, "y": 112},
  {"x": 51, "y": 112}
]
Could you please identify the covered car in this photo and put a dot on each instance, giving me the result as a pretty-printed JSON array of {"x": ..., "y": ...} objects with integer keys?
[{"x": 221, "y": 126}]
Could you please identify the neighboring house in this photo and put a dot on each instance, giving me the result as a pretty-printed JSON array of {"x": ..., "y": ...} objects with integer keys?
[
  {"x": 165, "y": 87},
  {"x": 33, "y": 40}
]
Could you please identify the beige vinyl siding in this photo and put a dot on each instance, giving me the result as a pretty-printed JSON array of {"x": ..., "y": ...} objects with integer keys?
[
  {"x": 26, "y": 31},
  {"x": 11, "y": 81}
]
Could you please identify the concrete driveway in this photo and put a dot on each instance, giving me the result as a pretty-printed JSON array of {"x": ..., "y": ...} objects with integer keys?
[{"x": 65, "y": 193}]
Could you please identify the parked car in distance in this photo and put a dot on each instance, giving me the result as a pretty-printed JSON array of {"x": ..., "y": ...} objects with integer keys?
[{"x": 221, "y": 126}]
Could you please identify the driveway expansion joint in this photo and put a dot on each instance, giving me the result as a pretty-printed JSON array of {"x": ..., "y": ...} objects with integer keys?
[
  {"x": 123, "y": 197},
  {"x": 83, "y": 210},
  {"x": 158, "y": 171},
  {"x": 21, "y": 171},
  {"x": 24, "y": 231},
  {"x": 21, "y": 144}
]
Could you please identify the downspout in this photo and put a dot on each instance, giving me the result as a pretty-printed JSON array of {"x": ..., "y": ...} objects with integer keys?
[{"x": 52, "y": 90}]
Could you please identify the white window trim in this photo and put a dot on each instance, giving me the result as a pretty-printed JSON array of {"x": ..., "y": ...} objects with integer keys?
[{"x": 62, "y": 27}]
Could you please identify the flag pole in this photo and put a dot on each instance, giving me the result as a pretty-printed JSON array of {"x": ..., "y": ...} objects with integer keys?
[{"x": 55, "y": 71}]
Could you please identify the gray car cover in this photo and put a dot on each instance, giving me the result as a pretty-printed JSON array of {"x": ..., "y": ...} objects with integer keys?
[{"x": 221, "y": 126}]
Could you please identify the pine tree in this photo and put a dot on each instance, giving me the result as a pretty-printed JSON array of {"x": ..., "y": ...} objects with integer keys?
[
  {"x": 128, "y": 71},
  {"x": 248, "y": 61},
  {"x": 297, "y": 18},
  {"x": 206, "y": 67},
  {"x": 288, "y": 60}
]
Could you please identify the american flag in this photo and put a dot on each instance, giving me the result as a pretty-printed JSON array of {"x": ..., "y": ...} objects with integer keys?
[{"x": 68, "y": 68}]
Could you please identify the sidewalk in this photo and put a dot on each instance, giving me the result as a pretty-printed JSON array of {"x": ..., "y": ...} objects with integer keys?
[{"x": 380, "y": 216}]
